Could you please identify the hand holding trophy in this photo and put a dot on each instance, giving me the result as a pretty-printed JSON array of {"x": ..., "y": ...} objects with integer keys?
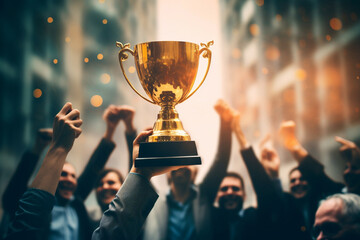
[{"x": 167, "y": 72}]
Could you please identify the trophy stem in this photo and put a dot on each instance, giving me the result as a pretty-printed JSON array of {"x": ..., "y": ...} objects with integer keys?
[{"x": 168, "y": 126}]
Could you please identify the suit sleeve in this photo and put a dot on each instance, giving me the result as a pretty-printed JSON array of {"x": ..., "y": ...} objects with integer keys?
[
  {"x": 313, "y": 171},
  {"x": 96, "y": 163},
  {"x": 18, "y": 182},
  {"x": 128, "y": 211},
  {"x": 217, "y": 171},
  {"x": 266, "y": 193},
  {"x": 130, "y": 137},
  {"x": 32, "y": 215}
]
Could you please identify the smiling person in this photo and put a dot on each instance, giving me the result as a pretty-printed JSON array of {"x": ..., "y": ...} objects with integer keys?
[
  {"x": 308, "y": 181},
  {"x": 108, "y": 184},
  {"x": 185, "y": 212},
  {"x": 34, "y": 218}
]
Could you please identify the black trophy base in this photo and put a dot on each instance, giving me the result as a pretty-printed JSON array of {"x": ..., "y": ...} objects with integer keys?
[{"x": 157, "y": 154}]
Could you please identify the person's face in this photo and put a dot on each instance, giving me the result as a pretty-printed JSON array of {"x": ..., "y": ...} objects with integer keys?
[
  {"x": 231, "y": 194},
  {"x": 328, "y": 219},
  {"x": 108, "y": 186},
  {"x": 352, "y": 176},
  {"x": 67, "y": 182},
  {"x": 298, "y": 186},
  {"x": 182, "y": 176}
]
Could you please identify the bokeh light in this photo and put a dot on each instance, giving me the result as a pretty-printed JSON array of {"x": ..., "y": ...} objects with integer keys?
[
  {"x": 104, "y": 21},
  {"x": 236, "y": 53},
  {"x": 55, "y": 61},
  {"x": 96, "y": 101},
  {"x": 254, "y": 29},
  {"x": 259, "y": 2},
  {"x": 50, "y": 19},
  {"x": 272, "y": 53},
  {"x": 265, "y": 70},
  {"x": 105, "y": 78},
  {"x": 86, "y": 60},
  {"x": 335, "y": 24},
  {"x": 67, "y": 39},
  {"x": 328, "y": 37},
  {"x": 278, "y": 17},
  {"x": 132, "y": 69},
  {"x": 37, "y": 93},
  {"x": 300, "y": 74},
  {"x": 100, "y": 56}
]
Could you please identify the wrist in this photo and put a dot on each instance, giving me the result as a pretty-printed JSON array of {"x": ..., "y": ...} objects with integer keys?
[
  {"x": 274, "y": 174},
  {"x": 144, "y": 172},
  {"x": 129, "y": 127},
  {"x": 109, "y": 133}
]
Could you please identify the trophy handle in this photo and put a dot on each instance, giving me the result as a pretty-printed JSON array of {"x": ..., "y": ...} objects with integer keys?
[
  {"x": 123, "y": 56},
  {"x": 207, "y": 55}
]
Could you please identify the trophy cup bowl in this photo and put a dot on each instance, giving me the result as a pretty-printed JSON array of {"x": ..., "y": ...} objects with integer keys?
[{"x": 167, "y": 72}]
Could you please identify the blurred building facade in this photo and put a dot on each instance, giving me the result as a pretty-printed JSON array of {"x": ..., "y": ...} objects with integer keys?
[
  {"x": 295, "y": 60},
  {"x": 58, "y": 51}
]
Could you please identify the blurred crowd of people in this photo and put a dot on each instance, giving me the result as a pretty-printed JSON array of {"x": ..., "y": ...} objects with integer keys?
[{"x": 52, "y": 206}]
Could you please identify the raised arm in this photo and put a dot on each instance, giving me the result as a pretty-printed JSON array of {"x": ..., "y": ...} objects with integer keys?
[
  {"x": 135, "y": 199},
  {"x": 112, "y": 116},
  {"x": 311, "y": 169},
  {"x": 219, "y": 166},
  {"x": 128, "y": 114},
  {"x": 18, "y": 182},
  {"x": 36, "y": 204},
  {"x": 265, "y": 190}
]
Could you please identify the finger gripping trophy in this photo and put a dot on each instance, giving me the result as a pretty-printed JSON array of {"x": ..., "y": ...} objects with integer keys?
[{"x": 167, "y": 72}]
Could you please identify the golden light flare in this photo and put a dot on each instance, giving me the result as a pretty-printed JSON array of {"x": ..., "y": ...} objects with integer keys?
[
  {"x": 259, "y": 2},
  {"x": 67, "y": 39},
  {"x": 300, "y": 74},
  {"x": 96, "y": 101},
  {"x": 236, "y": 53},
  {"x": 100, "y": 56},
  {"x": 132, "y": 69},
  {"x": 37, "y": 93},
  {"x": 55, "y": 61},
  {"x": 335, "y": 24},
  {"x": 105, "y": 78},
  {"x": 50, "y": 20},
  {"x": 104, "y": 21},
  {"x": 101, "y": 1},
  {"x": 254, "y": 29},
  {"x": 272, "y": 53},
  {"x": 328, "y": 37},
  {"x": 86, "y": 60}
]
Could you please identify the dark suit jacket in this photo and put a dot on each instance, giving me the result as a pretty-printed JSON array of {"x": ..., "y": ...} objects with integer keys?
[{"x": 18, "y": 185}]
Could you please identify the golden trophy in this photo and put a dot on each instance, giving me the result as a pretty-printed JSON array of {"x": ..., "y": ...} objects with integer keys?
[{"x": 167, "y": 72}]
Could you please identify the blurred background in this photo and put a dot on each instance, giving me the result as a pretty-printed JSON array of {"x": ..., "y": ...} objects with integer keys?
[{"x": 273, "y": 60}]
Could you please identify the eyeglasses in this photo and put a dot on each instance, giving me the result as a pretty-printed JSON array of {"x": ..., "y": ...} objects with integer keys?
[
  {"x": 329, "y": 229},
  {"x": 225, "y": 188}
]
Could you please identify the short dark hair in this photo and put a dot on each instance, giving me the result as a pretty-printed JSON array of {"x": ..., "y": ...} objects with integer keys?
[
  {"x": 236, "y": 175},
  {"x": 293, "y": 170},
  {"x": 105, "y": 172}
]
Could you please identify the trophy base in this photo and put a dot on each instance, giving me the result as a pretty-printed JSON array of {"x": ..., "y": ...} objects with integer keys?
[{"x": 174, "y": 153}]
